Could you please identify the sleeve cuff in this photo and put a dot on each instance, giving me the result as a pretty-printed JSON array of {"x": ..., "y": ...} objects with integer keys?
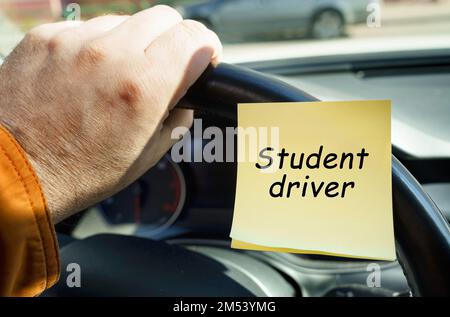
[{"x": 29, "y": 260}]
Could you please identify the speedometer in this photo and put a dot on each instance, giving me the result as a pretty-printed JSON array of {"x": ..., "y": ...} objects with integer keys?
[{"x": 152, "y": 203}]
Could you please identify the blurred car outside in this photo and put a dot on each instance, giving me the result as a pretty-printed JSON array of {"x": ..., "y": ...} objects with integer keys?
[{"x": 278, "y": 19}]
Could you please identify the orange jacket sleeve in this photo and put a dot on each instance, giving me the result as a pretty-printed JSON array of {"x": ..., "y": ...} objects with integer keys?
[{"x": 29, "y": 260}]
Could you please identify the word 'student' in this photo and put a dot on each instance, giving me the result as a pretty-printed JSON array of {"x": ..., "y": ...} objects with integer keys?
[{"x": 315, "y": 160}]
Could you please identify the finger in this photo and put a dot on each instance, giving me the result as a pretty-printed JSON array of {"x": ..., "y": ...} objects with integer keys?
[
  {"x": 49, "y": 30},
  {"x": 178, "y": 118},
  {"x": 174, "y": 127},
  {"x": 98, "y": 26},
  {"x": 71, "y": 40},
  {"x": 192, "y": 47},
  {"x": 142, "y": 28}
]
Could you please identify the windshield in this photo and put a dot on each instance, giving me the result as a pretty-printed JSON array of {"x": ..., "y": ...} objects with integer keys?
[{"x": 296, "y": 27}]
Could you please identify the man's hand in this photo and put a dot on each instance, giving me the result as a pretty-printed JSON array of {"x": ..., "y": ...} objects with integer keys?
[{"x": 92, "y": 102}]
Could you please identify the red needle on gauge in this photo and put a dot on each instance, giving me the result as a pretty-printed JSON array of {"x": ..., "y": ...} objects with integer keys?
[{"x": 175, "y": 185}]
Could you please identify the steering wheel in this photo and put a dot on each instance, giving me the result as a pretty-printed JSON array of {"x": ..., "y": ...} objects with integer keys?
[{"x": 422, "y": 234}]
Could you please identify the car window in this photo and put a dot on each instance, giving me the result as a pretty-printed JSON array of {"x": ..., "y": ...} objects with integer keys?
[{"x": 263, "y": 22}]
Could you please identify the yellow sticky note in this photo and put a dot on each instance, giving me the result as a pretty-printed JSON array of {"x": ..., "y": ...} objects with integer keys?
[{"x": 316, "y": 178}]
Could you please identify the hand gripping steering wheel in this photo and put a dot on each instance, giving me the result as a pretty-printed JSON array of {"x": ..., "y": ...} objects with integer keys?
[{"x": 117, "y": 265}]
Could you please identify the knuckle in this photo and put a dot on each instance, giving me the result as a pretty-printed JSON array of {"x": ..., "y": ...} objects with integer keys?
[
  {"x": 38, "y": 33},
  {"x": 57, "y": 42},
  {"x": 200, "y": 38},
  {"x": 130, "y": 92},
  {"x": 193, "y": 28},
  {"x": 108, "y": 18},
  {"x": 91, "y": 55},
  {"x": 167, "y": 10}
]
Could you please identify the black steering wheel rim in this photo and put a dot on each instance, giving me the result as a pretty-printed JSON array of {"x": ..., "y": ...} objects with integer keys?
[{"x": 422, "y": 233}]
